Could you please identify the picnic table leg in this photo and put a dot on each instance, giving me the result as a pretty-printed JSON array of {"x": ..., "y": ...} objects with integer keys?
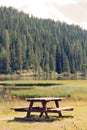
[
  {"x": 57, "y": 105},
  {"x": 44, "y": 110},
  {"x": 29, "y": 110}
]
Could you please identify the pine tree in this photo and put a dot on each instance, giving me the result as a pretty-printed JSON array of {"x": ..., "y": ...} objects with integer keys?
[{"x": 6, "y": 41}]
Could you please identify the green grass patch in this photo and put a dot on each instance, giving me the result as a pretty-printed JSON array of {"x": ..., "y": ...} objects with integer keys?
[
  {"x": 73, "y": 89},
  {"x": 77, "y": 93}
]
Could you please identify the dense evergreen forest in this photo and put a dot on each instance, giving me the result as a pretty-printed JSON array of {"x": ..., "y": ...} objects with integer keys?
[{"x": 37, "y": 44}]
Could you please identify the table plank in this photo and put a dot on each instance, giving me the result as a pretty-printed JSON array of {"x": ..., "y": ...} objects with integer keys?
[{"x": 47, "y": 99}]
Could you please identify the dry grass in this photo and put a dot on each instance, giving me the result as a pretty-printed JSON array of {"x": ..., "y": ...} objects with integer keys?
[{"x": 77, "y": 122}]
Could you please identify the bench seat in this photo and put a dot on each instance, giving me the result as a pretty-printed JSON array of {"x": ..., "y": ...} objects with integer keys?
[
  {"x": 40, "y": 109},
  {"x": 20, "y": 109},
  {"x": 25, "y": 109},
  {"x": 56, "y": 110}
]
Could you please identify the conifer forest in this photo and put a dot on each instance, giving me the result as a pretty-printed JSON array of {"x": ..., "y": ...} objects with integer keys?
[{"x": 27, "y": 43}]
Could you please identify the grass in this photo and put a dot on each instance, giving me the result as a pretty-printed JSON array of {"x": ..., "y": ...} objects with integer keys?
[
  {"x": 77, "y": 122},
  {"x": 79, "y": 93},
  {"x": 73, "y": 89},
  {"x": 76, "y": 95}
]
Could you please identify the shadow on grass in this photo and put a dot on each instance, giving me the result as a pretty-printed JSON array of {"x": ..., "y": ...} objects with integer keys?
[
  {"x": 30, "y": 84},
  {"x": 34, "y": 118}
]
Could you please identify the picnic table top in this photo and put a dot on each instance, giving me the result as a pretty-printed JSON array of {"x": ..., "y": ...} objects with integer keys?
[{"x": 45, "y": 99}]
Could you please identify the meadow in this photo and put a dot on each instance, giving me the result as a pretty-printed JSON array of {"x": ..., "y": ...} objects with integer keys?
[{"x": 74, "y": 91}]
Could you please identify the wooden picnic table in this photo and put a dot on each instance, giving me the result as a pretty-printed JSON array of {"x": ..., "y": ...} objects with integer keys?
[{"x": 43, "y": 109}]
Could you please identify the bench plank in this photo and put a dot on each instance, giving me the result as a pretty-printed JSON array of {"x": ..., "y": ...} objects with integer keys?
[
  {"x": 20, "y": 109},
  {"x": 25, "y": 109},
  {"x": 40, "y": 109},
  {"x": 56, "y": 110}
]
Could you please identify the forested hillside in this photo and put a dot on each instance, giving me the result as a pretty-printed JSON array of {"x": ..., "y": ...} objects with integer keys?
[{"x": 32, "y": 43}]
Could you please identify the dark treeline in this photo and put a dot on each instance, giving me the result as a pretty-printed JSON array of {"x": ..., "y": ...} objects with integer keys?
[{"x": 32, "y": 43}]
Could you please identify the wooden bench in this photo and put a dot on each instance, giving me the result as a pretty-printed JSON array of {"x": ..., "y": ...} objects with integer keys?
[
  {"x": 20, "y": 109},
  {"x": 25, "y": 109},
  {"x": 40, "y": 109},
  {"x": 56, "y": 110}
]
